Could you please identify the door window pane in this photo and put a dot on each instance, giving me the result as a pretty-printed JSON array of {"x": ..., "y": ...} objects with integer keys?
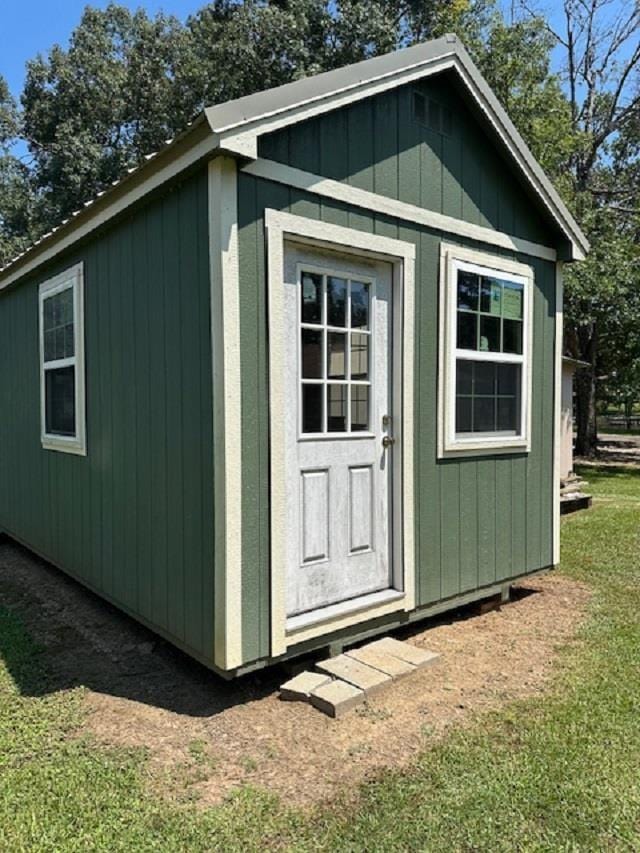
[
  {"x": 311, "y": 298},
  {"x": 359, "y": 356},
  {"x": 311, "y": 354},
  {"x": 336, "y": 408},
  {"x": 60, "y": 401},
  {"x": 359, "y": 408},
  {"x": 312, "y": 416},
  {"x": 336, "y": 301},
  {"x": 359, "y": 305},
  {"x": 336, "y": 355}
]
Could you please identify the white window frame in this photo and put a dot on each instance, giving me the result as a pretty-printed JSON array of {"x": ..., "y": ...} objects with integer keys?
[
  {"x": 452, "y": 259},
  {"x": 72, "y": 278}
]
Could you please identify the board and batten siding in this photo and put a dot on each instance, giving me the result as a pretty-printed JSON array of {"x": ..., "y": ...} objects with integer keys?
[
  {"x": 478, "y": 520},
  {"x": 133, "y": 520}
]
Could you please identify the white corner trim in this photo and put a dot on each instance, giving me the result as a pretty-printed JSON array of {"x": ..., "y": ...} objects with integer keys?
[
  {"x": 342, "y": 192},
  {"x": 69, "y": 279},
  {"x": 401, "y": 254},
  {"x": 448, "y": 445},
  {"x": 227, "y": 424},
  {"x": 557, "y": 411}
]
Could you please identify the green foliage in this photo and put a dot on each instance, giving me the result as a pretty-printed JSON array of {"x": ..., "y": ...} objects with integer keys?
[{"x": 93, "y": 110}]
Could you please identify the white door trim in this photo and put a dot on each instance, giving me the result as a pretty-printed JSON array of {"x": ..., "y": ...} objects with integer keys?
[{"x": 401, "y": 255}]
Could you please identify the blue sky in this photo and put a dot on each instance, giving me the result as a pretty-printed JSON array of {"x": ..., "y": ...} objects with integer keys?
[{"x": 32, "y": 26}]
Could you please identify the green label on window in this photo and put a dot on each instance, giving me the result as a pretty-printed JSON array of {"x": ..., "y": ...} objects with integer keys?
[
  {"x": 495, "y": 303},
  {"x": 512, "y": 303}
]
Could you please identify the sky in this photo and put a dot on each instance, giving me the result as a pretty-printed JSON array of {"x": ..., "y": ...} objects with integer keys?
[{"x": 28, "y": 27}]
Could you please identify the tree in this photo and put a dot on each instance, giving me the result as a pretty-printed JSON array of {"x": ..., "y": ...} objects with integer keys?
[
  {"x": 599, "y": 42},
  {"x": 95, "y": 109},
  {"x": 16, "y": 194}
]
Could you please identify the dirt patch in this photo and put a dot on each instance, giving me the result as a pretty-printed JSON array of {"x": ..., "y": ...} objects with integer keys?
[{"x": 205, "y": 737}]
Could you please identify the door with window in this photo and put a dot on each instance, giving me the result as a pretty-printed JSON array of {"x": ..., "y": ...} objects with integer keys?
[{"x": 338, "y": 425}]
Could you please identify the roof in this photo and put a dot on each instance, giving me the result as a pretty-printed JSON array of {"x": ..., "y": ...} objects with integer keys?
[{"x": 234, "y": 127}]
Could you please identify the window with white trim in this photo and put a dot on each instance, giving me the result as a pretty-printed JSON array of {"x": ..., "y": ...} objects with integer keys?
[
  {"x": 62, "y": 386},
  {"x": 486, "y": 329}
]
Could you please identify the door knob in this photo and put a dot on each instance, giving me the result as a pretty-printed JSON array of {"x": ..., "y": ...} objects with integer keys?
[{"x": 387, "y": 441}]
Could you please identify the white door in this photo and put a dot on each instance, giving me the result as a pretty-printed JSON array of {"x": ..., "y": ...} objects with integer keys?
[{"x": 338, "y": 426}]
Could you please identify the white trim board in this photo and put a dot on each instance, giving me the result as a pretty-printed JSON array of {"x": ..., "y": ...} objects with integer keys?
[
  {"x": 337, "y": 191},
  {"x": 227, "y": 414},
  {"x": 280, "y": 226},
  {"x": 557, "y": 414}
]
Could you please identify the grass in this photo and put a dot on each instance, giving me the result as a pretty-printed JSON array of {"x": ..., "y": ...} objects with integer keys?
[{"x": 561, "y": 772}]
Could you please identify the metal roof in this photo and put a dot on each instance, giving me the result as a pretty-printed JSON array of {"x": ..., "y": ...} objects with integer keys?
[{"x": 236, "y": 125}]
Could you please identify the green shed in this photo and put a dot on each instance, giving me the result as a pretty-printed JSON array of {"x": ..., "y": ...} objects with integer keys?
[{"x": 296, "y": 380}]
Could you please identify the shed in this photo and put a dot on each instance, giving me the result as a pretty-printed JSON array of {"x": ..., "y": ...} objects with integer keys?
[{"x": 296, "y": 380}]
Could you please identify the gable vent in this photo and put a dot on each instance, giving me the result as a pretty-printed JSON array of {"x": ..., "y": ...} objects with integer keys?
[{"x": 432, "y": 114}]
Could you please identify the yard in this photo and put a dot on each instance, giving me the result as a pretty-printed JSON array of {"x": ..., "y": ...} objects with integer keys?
[{"x": 546, "y": 757}]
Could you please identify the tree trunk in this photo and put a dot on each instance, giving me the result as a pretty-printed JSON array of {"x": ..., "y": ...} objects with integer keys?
[{"x": 586, "y": 423}]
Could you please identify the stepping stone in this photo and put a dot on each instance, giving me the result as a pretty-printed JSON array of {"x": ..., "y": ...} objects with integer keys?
[
  {"x": 359, "y": 674},
  {"x": 299, "y": 689},
  {"x": 406, "y": 652},
  {"x": 381, "y": 660},
  {"x": 336, "y": 698}
]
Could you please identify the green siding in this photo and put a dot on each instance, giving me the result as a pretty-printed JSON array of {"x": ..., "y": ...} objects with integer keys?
[
  {"x": 480, "y": 520},
  {"x": 134, "y": 519},
  {"x": 376, "y": 145}
]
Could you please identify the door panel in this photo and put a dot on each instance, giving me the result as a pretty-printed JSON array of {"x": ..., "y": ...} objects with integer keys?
[{"x": 338, "y": 322}]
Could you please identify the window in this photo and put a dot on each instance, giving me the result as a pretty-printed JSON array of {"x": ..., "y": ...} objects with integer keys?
[
  {"x": 62, "y": 362},
  {"x": 335, "y": 353},
  {"x": 485, "y": 343}
]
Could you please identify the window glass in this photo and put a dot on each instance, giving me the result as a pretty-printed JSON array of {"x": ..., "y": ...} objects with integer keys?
[
  {"x": 487, "y": 397},
  {"x": 312, "y": 414},
  {"x": 359, "y": 305},
  {"x": 311, "y": 298},
  {"x": 336, "y": 408},
  {"x": 335, "y": 353},
  {"x": 336, "y": 301},
  {"x": 60, "y": 397}
]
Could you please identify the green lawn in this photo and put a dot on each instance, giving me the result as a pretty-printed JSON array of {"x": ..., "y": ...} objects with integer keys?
[{"x": 560, "y": 772}]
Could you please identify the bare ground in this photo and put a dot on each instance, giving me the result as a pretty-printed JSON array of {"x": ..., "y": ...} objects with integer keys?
[{"x": 205, "y": 737}]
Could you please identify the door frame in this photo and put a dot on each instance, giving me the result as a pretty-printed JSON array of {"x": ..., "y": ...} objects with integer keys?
[{"x": 279, "y": 228}]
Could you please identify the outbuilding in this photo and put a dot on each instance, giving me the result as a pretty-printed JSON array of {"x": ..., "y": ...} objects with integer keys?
[{"x": 296, "y": 380}]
